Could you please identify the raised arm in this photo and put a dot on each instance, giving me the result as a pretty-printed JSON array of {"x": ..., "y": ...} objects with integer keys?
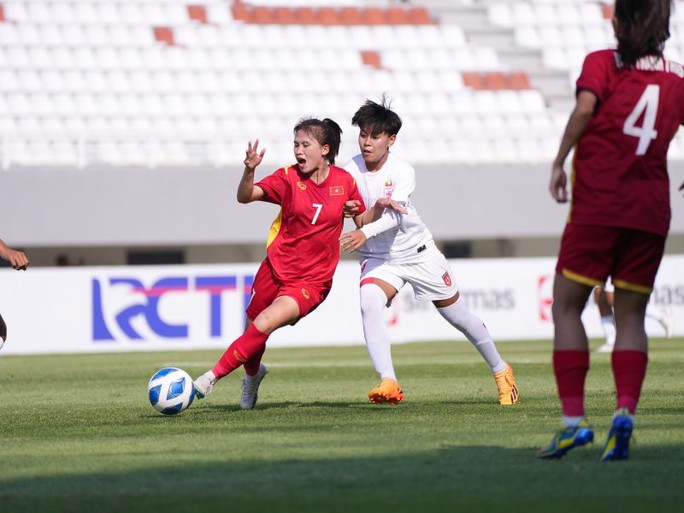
[
  {"x": 577, "y": 123},
  {"x": 18, "y": 259},
  {"x": 247, "y": 191}
]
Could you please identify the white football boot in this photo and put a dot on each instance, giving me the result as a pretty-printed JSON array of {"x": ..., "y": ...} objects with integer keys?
[
  {"x": 204, "y": 384},
  {"x": 250, "y": 388}
]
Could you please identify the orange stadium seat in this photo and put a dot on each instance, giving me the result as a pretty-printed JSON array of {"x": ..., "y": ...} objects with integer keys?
[
  {"x": 372, "y": 16},
  {"x": 607, "y": 10},
  {"x": 371, "y": 58},
  {"x": 304, "y": 15},
  {"x": 396, "y": 16},
  {"x": 519, "y": 80},
  {"x": 418, "y": 16},
  {"x": 283, "y": 15},
  {"x": 197, "y": 13},
  {"x": 473, "y": 80},
  {"x": 495, "y": 80},
  {"x": 352, "y": 16},
  {"x": 239, "y": 11},
  {"x": 326, "y": 16},
  {"x": 164, "y": 35},
  {"x": 259, "y": 15}
]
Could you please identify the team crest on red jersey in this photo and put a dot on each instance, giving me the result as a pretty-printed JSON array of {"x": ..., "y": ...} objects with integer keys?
[
  {"x": 337, "y": 190},
  {"x": 305, "y": 293},
  {"x": 301, "y": 186},
  {"x": 447, "y": 279}
]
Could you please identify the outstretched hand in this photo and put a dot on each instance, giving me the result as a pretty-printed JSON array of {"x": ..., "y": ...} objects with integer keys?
[
  {"x": 392, "y": 204},
  {"x": 559, "y": 184},
  {"x": 351, "y": 241},
  {"x": 252, "y": 156}
]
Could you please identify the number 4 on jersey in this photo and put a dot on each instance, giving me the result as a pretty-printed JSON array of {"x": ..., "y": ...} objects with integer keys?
[{"x": 648, "y": 107}]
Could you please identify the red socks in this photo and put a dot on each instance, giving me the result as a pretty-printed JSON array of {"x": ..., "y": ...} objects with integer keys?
[
  {"x": 570, "y": 368},
  {"x": 246, "y": 349},
  {"x": 629, "y": 371},
  {"x": 254, "y": 362}
]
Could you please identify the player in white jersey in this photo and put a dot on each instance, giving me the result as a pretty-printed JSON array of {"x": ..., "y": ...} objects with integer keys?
[
  {"x": 604, "y": 298},
  {"x": 398, "y": 248}
]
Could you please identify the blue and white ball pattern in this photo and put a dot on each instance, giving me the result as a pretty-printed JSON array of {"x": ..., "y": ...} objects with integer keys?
[{"x": 171, "y": 390}]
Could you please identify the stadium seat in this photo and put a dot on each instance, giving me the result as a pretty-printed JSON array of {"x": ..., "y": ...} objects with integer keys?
[
  {"x": 198, "y": 13},
  {"x": 354, "y": 16},
  {"x": 418, "y": 16},
  {"x": 396, "y": 16}
]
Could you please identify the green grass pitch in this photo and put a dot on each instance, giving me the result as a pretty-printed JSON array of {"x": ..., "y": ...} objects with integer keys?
[{"x": 78, "y": 434}]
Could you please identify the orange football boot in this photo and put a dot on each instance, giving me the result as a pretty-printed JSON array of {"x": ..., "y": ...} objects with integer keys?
[
  {"x": 505, "y": 383},
  {"x": 388, "y": 391}
]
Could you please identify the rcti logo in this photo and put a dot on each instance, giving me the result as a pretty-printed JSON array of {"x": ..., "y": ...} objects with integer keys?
[{"x": 128, "y": 304}]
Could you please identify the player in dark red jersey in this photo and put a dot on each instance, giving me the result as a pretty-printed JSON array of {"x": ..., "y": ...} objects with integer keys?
[
  {"x": 630, "y": 103},
  {"x": 20, "y": 262},
  {"x": 303, "y": 246}
]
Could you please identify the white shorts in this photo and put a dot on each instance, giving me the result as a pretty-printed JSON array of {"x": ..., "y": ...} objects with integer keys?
[{"x": 431, "y": 279}]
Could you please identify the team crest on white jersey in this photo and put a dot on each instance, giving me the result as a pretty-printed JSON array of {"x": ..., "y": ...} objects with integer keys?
[
  {"x": 447, "y": 279},
  {"x": 389, "y": 187}
]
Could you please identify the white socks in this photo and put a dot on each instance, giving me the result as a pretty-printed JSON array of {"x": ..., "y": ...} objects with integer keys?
[
  {"x": 373, "y": 301},
  {"x": 475, "y": 331},
  {"x": 571, "y": 421},
  {"x": 375, "y": 331},
  {"x": 608, "y": 325}
]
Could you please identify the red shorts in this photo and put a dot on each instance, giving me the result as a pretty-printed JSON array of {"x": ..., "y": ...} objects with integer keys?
[
  {"x": 590, "y": 254},
  {"x": 266, "y": 288}
]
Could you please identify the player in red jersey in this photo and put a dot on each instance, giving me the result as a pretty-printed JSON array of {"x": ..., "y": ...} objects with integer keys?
[
  {"x": 20, "y": 262},
  {"x": 303, "y": 246},
  {"x": 630, "y": 103}
]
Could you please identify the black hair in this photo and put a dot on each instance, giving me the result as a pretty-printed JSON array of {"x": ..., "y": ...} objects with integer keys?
[
  {"x": 325, "y": 131},
  {"x": 377, "y": 118},
  {"x": 642, "y": 28}
]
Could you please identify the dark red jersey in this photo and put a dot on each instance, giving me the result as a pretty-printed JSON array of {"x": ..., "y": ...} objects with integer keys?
[
  {"x": 304, "y": 239},
  {"x": 620, "y": 164}
]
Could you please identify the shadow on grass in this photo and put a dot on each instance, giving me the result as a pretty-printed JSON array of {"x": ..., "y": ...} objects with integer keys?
[
  {"x": 364, "y": 406},
  {"x": 450, "y": 478}
]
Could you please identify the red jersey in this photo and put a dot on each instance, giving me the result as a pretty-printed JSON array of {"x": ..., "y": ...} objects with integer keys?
[
  {"x": 620, "y": 163},
  {"x": 304, "y": 240}
]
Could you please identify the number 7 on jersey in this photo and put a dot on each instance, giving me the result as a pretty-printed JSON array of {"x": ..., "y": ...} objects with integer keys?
[{"x": 318, "y": 207}]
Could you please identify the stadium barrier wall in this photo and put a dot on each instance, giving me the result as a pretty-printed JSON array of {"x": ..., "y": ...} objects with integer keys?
[{"x": 110, "y": 309}]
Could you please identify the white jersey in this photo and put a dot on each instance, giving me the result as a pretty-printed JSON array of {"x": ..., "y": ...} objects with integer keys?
[{"x": 394, "y": 237}]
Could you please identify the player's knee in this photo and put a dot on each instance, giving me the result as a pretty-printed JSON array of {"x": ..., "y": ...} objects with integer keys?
[{"x": 372, "y": 298}]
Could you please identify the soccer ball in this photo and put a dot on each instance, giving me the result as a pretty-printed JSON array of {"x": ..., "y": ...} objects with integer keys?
[{"x": 170, "y": 390}]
